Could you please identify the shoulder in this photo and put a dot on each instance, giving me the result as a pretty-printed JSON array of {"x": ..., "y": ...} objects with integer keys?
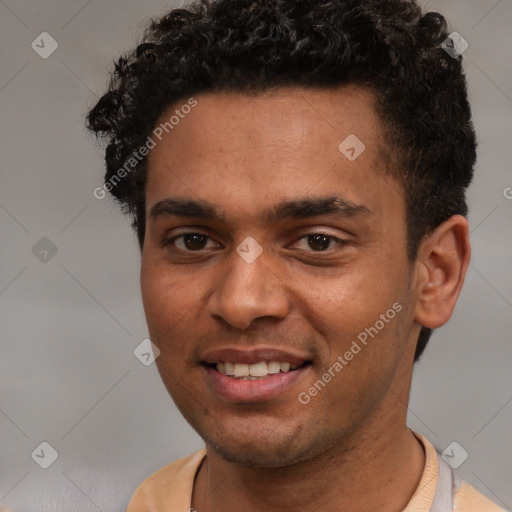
[
  {"x": 468, "y": 499},
  {"x": 169, "y": 488},
  {"x": 434, "y": 487}
]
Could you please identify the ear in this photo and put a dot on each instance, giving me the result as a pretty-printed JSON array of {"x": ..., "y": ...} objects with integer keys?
[{"x": 440, "y": 268}]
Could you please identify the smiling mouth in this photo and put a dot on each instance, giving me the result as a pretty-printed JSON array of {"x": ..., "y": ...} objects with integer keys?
[{"x": 255, "y": 371}]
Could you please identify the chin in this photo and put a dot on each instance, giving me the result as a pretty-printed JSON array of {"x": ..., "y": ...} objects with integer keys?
[
  {"x": 254, "y": 456},
  {"x": 261, "y": 447}
]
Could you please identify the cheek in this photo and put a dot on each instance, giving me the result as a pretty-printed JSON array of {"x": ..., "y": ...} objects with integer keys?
[
  {"x": 361, "y": 315},
  {"x": 349, "y": 300},
  {"x": 174, "y": 304},
  {"x": 365, "y": 351},
  {"x": 165, "y": 291},
  {"x": 166, "y": 298}
]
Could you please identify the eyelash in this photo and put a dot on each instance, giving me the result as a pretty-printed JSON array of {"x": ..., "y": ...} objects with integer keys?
[{"x": 341, "y": 242}]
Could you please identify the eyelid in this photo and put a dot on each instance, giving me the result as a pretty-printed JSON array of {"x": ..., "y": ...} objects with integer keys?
[
  {"x": 341, "y": 242},
  {"x": 170, "y": 240}
]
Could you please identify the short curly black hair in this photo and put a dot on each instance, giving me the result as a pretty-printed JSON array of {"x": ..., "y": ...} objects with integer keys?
[{"x": 250, "y": 46}]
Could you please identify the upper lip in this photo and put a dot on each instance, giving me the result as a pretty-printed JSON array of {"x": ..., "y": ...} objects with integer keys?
[{"x": 251, "y": 356}]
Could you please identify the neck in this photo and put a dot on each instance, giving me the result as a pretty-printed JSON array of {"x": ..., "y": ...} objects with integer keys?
[
  {"x": 376, "y": 467},
  {"x": 379, "y": 470}
]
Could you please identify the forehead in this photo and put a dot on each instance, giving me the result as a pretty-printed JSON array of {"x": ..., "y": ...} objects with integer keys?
[
  {"x": 295, "y": 117},
  {"x": 289, "y": 142}
]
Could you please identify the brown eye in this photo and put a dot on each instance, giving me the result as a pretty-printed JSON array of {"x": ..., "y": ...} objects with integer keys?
[
  {"x": 319, "y": 242},
  {"x": 195, "y": 241},
  {"x": 191, "y": 242}
]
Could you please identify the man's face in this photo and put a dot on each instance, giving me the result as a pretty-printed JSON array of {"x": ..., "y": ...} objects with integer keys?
[{"x": 265, "y": 164}]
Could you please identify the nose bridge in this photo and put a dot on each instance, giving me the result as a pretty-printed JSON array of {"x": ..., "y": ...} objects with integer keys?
[{"x": 249, "y": 289}]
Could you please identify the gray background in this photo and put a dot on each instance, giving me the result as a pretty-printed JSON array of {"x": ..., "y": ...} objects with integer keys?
[{"x": 68, "y": 375}]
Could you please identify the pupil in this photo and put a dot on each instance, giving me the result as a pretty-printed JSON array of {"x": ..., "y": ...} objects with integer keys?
[
  {"x": 195, "y": 241},
  {"x": 319, "y": 242}
]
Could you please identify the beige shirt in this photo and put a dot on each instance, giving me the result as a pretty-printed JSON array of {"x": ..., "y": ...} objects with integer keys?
[{"x": 170, "y": 488}]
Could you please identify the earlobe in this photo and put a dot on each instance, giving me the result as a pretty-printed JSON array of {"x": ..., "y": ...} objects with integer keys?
[{"x": 441, "y": 265}]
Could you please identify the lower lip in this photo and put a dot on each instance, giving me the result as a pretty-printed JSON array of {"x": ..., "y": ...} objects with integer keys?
[{"x": 239, "y": 390}]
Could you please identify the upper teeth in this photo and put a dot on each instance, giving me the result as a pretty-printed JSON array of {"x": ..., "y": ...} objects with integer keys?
[{"x": 261, "y": 369}]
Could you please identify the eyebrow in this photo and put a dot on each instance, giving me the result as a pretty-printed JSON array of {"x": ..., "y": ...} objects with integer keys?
[{"x": 294, "y": 209}]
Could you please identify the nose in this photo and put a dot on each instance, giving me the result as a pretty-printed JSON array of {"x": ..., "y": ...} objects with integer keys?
[{"x": 248, "y": 291}]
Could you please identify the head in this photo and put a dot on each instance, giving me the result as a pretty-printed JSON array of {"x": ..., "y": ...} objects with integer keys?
[{"x": 241, "y": 108}]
